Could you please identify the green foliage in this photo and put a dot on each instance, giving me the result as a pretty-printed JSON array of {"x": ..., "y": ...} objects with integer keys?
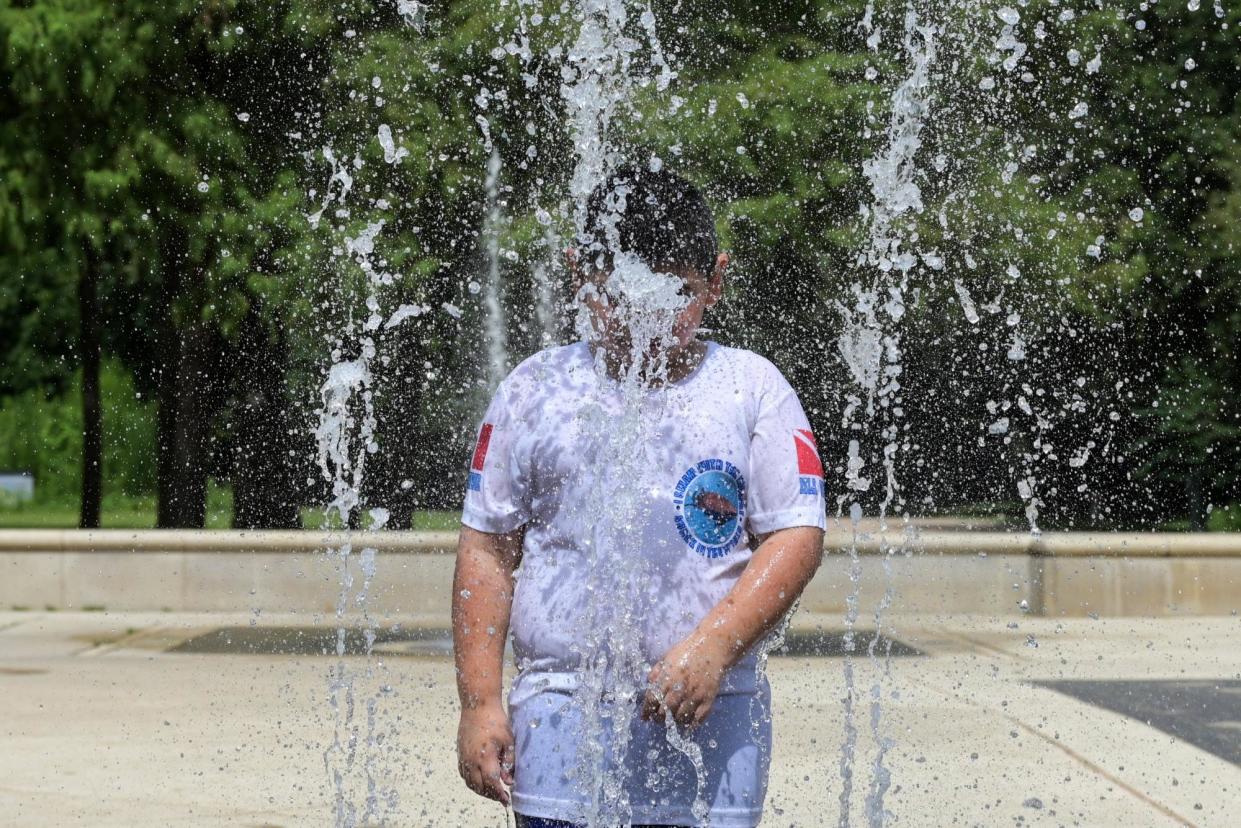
[
  {"x": 119, "y": 511},
  {"x": 183, "y": 144},
  {"x": 44, "y": 436},
  {"x": 41, "y": 432}
]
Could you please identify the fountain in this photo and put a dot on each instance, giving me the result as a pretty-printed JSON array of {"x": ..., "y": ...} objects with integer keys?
[{"x": 943, "y": 84}]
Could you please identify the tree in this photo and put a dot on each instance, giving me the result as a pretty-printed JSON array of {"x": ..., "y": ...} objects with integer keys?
[{"x": 64, "y": 69}]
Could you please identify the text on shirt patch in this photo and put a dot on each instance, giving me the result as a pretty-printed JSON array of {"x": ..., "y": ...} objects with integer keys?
[
  {"x": 710, "y": 507},
  {"x": 480, "y": 457},
  {"x": 809, "y": 466}
]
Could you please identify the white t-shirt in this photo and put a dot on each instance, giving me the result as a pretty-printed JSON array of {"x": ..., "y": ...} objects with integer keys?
[{"x": 724, "y": 454}]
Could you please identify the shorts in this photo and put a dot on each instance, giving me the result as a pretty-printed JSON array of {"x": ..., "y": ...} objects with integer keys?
[
  {"x": 660, "y": 780},
  {"x": 539, "y": 822}
]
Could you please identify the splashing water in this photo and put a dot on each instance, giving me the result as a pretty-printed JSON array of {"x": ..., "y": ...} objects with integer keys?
[
  {"x": 495, "y": 329},
  {"x": 613, "y": 667},
  {"x": 346, "y": 437},
  {"x": 344, "y": 441},
  {"x": 546, "y": 309},
  {"x": 615, "y": 52},
  {"x": 413, "y": 13},
  {"x": 873, "y": 355},
  {"x": 598, "y": 90}
]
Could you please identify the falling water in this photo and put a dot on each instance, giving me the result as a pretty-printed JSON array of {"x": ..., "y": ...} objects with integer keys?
[
  {"x": 543, "y": 288},
  {"x": 346, "y": 436},
  {"x": 612, "y": 675},
  {"x": 495, "y": 329},
  {"x": 344, "y": 444},
  {"x": 615, "y": 52},
  {"x": 598, "y": 90},
  {"x": 871, "y": 348}
]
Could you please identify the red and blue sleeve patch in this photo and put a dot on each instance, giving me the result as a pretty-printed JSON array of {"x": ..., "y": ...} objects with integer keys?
[
  {"x": 809, "y": 466},
  {"x": 480, "y": 457}
]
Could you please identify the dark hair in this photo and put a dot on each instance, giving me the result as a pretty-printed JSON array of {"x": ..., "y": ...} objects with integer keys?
[{"x": 662, "y": 219}]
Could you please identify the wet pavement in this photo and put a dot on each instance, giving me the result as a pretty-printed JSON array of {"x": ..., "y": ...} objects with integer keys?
[
  {"x": 1204, "y": 713},
  {"x": 141, "y": 719}
]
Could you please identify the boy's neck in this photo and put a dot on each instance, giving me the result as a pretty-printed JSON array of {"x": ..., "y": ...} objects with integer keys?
[{"x": 680, "y": 363}]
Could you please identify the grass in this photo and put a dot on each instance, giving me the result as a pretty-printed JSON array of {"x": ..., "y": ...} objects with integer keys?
[
  {"x": 130, "y": 512},
  {"x": 429, "y": 521},
  {"x": 119, "y": 512}
]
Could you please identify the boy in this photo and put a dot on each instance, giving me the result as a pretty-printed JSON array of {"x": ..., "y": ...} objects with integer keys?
[{"x": 663, "y": 496}]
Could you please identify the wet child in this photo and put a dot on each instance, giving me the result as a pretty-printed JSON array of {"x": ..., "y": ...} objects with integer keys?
[{"x": 643, "y": 509}]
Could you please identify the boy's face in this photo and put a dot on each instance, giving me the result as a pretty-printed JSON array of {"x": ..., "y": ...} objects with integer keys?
[{"x": 611, "y": 321}]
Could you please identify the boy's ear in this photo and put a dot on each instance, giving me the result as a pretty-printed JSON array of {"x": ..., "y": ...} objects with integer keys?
[
  {"x": 715, "y": 287},
  {"x": 571, "y": 262}
]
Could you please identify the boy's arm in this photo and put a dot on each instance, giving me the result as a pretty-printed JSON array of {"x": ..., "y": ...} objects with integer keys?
[
  {"x": 482, "y": 597},
  {"x": 687, "y": 679}
]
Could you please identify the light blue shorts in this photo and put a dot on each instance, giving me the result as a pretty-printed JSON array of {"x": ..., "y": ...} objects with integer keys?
[{"x": 660, "y": 780}]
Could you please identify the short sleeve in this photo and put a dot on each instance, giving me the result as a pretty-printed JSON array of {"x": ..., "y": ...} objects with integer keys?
[
  {"x": 495, "y": 499},
  {"x": 786, "y": 473}
]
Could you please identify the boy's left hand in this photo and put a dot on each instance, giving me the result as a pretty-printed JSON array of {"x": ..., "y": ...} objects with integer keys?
[{"x": 686, "y": 681}]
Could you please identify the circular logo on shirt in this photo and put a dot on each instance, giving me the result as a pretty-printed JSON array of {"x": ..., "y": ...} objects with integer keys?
[{"x": 710, "y": 507}]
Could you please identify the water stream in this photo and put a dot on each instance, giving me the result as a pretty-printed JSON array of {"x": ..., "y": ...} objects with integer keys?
[
  {"x": 922, "y": 158},
  {"x": 495, "y": 329}
]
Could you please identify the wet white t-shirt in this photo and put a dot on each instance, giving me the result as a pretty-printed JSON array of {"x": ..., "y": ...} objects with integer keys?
[{"x": 675, "y": 497}]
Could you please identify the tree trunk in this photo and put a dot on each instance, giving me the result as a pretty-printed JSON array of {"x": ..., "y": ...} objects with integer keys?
[
  {"x": 181, "y": 478},
  {"x": 266, "y": 494},
  {"x": 393, "y": 478},
  {"x": 92, "y": 410},
  {"x": 172, "y": 255},
  {"x": 1196, "y": 499},
  {"x": 182, "y": 424}
]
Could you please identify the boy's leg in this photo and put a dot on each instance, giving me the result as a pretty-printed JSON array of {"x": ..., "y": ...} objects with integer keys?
[{"x": 540, "y": 822}]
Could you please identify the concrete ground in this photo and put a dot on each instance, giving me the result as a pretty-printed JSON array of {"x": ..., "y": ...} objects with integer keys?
[{"x": 999, "y": 722}]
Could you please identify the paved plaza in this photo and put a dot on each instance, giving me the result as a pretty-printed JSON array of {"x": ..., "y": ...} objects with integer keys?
[{"x": 163, "y": 719}]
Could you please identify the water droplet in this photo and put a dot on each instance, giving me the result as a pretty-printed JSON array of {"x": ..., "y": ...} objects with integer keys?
[{"x": 1137, "y": 214}]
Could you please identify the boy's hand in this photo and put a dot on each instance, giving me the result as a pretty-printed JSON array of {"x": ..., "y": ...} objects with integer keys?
[
  {"x": 485, "y": 751},
  {"x": 686, "y": 681}
]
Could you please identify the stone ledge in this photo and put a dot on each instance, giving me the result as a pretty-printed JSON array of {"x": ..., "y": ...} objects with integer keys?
[
  {"x": 839, "y": 539},
  {"x": 270, "y": 582}
]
